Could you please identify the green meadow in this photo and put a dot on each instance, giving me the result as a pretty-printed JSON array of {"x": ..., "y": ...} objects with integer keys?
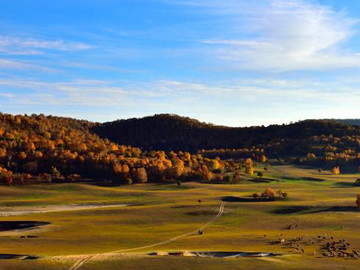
[{"x": 319, "y": 205}]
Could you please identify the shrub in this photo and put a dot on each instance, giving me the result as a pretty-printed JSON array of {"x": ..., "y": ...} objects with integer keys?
[
  {"x": 268, "y": 193},
  {"x": 358, "y": 200},
  {"x": 280, "y": 194},
  {"x": 74, "y": 177}
]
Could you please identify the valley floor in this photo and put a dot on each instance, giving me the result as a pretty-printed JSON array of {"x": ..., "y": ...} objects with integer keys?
[{"x": 129, "y": 227}]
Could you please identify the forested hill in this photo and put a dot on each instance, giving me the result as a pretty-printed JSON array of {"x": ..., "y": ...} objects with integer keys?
[
  {"x": 41, "y": 148},
  {"x": 47, "y": 148},
  {"x": 173, "y": 132}
]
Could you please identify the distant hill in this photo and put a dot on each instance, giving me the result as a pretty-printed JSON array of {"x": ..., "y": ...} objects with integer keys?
[
  {"x": 47, "y": 148},
  {"x": 173, "y": 132}
]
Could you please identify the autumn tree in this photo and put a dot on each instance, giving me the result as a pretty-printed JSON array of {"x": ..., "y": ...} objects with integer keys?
[
  {"x": 310, "y": 156},
  {"x": 268, "y": 193},
  {"x": 117, "y": 168},
  {"x": 249, "y": 167},
  {"x": 209, "y": 176},
  {"x": 6, "y": 176},
  {"x": 22, "y": 155},
  {"x": 336, "y": 170},
  {"x": 140, "y": 175},
  {"x": 215, "y": 164},
  {"x": 42, "y": 146}
]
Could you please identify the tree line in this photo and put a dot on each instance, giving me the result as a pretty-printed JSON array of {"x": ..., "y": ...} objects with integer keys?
[{"x": 49, "y": 148}]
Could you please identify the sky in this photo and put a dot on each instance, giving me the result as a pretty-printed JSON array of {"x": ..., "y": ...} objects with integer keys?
[{"x": 229, "y": 62}]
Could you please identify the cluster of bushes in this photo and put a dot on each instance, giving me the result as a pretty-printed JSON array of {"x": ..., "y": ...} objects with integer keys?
[{"x": 270, "y": 194}]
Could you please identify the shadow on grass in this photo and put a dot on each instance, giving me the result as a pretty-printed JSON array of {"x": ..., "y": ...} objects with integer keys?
[
  {"x": 20, "y": 225},
  {"x": 202, "y": 213},
  {"x": 246, "y": 199},
  {"x": 104, "y": 183},
  {"x": 346, "y": 184},
  {"x": 169, "y": 187},
  {"x": 181, "y": 206},
  {"x": 313, "y": 179},
  {"x": 263, "y": 180},
  {"x": 17, "y": 256},
  {"x": 297, "y": 209}
]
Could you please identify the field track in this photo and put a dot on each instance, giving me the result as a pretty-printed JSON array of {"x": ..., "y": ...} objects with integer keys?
[{"x": 86, "y": 258}]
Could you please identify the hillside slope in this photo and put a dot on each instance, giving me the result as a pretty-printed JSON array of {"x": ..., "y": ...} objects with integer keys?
[
  {"x": 172, "y": 132},
  {"x": 47, "y": 148}
]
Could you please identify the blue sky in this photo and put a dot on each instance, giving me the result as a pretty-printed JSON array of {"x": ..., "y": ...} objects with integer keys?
[{"x": 231, "y": 62}]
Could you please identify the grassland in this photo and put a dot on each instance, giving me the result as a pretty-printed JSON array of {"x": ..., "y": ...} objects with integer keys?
[{"x": 319, "y": 203}]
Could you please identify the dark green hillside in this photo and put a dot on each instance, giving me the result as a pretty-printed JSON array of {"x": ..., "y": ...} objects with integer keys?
[{"x": 172, "y": 132}]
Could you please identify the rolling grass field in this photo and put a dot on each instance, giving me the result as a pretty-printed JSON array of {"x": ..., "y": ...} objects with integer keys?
[{"x": 320, "y": 204}]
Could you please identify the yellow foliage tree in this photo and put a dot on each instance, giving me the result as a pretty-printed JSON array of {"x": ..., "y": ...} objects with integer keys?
[
  {"x": 167, "y": 163},
  {"x": 31, "y": 146},
  {"x": 209, "y": 176},
  {"x": 2, "y": 152},
  {"x": 22, "y": 155},
  {"x": 114, "y": 147},
  {"x": 249, "y": 162},
  {"x": 249, "y": 170},
  {"x": 82, "y": 147},
  {"x": 310, "y": 156},
  {"x": 187, "y": 156},
  {"x": 215, "y": 164},
  {"x": 336, "y": 170}
]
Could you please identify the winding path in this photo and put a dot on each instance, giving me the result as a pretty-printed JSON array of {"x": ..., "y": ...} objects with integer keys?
[{"x": 87, "y": 258}]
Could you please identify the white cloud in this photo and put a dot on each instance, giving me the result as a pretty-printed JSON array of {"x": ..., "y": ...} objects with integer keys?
[
  {"x": 281, "y": 35},
  {"x": 109, "y": 93},
  {"x": 6, "y": 64},
  {"x": 30, "y": 46},
  {"x": 236, "y": 102}
]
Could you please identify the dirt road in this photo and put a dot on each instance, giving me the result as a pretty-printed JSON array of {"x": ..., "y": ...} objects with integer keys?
[{"x": 86, "y": 258}]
